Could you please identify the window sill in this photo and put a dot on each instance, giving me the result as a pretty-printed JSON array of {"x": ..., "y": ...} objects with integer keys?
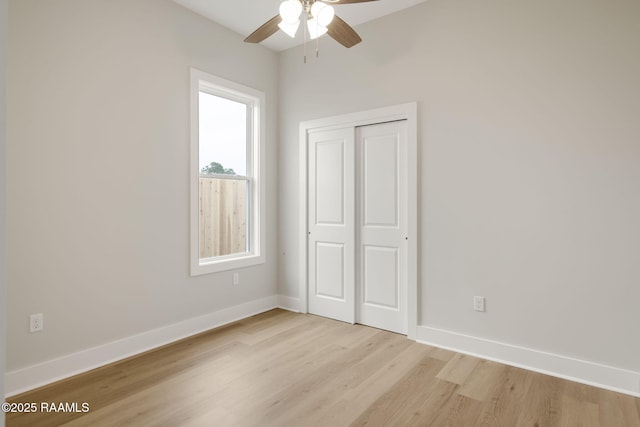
[{"x": 215, "y": 265}]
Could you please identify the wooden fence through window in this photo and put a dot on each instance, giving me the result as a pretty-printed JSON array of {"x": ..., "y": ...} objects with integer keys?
[{"x": 223, "y": 216}]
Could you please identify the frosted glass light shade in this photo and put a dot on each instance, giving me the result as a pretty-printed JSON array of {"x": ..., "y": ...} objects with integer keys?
[
  {"x": 290, "y": 28},
  {"x": 315, "y": 29},
  {"x": 323, "y": 13},
  {"x": 290, "y": 10}
]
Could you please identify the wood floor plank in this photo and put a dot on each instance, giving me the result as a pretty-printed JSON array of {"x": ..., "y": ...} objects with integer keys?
[
  {"x": 432, "y": 401},
  {"x": 343, "y": 380},
  {"x": 482, "y": 380},
  {"x": 397, "y": 406},
  {"x": 322, "y": 372},
  {"x": 612, "y": 410},
  {"x": 458, "y": 368},
  {"x": 542, "y": 403},
  {"x": 577, "y": 413},
  {"x": 442, "y": 354},
  {"x": 285, "y": 369},
  {"x": 458, "y": 411},
  {"x": 506, "y": 397},
  {"x": 353, "y": 402}
]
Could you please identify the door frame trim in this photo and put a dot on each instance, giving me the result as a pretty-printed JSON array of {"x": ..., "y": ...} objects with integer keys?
[{"x": 408, "y": 112}]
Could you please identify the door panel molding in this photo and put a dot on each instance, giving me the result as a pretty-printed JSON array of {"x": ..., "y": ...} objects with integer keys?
[
  {"x": 379, "y": 174},
  {"x": 330, "y": 282},
  {"x": 375, "y": 267}
]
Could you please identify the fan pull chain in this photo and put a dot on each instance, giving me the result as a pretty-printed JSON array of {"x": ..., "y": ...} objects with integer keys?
[
  {"x": 305, "y": 44},
  {"x": 317, "y": 41}
]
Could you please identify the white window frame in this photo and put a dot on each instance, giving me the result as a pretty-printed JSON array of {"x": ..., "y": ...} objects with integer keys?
[{"x": 255, "y": 101}]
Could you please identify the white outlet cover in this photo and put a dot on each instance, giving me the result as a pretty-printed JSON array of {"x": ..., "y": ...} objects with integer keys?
[{"x": 36, "y": 322}]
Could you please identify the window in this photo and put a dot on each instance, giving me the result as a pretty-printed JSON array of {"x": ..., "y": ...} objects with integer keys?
[{"x": 227, "y": 175}]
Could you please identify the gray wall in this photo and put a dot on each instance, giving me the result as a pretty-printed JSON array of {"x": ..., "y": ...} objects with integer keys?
[
  {"x": 3, "y": 186},
  {"x": 99, "y": 170},
  {"x": 529, "y": 163}
]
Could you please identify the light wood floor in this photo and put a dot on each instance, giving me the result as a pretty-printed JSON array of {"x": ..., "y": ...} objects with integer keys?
[{"x": 286, "y": 369}]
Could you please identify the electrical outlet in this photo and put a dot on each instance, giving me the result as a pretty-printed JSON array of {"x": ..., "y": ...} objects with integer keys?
[
  {"x": 36, "y": 322},
  {"x": 236, "y": 279},
  {"x": 478, "y": 303}
]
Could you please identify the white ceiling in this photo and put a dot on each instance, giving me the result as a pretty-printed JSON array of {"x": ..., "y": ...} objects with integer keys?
[{"x": 244, "y": 16}]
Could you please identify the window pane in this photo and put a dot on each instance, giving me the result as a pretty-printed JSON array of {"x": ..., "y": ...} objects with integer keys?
[
  {"x": 223, "y": 135},
  {"x": 223, "y": 217},
  {"x": 223, "y": 228}
]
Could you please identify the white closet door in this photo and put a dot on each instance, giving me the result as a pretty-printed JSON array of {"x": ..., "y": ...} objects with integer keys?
[
  {"x": 331, "y": 224},
  {"x": 382, "y": 225}
]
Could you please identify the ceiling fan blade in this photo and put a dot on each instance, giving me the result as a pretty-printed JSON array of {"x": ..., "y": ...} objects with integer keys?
[
  {"x": 346, "y": 1},
  {"x": 267, "y": 29},
  {"x": 342, "y": 32}
]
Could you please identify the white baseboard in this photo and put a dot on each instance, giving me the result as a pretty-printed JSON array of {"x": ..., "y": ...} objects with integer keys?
[
  {"x": 289, "y": 303},
  {"x": 31, "y": 377},
  {"x": 581, "y": 371}
]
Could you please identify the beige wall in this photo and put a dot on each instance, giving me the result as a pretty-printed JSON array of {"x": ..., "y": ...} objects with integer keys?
[
  {"x": 3, "y": 184},
  {"x": 99, "y": 170},
  {"x": 529, "y": 165}
]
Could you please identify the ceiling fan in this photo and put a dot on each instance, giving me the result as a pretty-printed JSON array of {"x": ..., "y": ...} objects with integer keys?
[{"x": 319, "y": 16}]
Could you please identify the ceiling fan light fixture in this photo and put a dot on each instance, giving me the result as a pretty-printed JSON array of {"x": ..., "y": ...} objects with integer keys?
[
  {"x": 322, "y": 21},
  {"x": 315, "y": 29},
  {"x": 323, "y": 13},
  {"x": 290, "y": 28},
  {"x": 290, "y": 11}
]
